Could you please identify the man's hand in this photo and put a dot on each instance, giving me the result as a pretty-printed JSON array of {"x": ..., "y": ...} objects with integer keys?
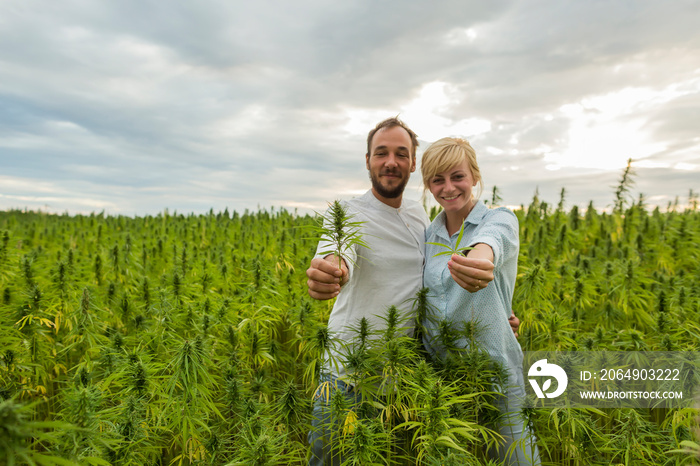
[
  {"x": 514, "y": 323},
  {"x": 325, "y": 278}
]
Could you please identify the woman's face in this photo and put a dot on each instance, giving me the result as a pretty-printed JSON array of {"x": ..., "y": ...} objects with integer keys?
[{"x": 452, "y": 188}]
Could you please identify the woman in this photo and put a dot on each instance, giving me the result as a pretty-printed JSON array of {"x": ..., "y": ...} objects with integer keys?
[{"x": 450, "y": 173}]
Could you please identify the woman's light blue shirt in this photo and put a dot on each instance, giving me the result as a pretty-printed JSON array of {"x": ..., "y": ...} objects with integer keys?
[{"x": 490, "y": 307}]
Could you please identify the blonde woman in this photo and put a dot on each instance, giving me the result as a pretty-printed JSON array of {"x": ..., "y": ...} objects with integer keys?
[{"x": 479, "y": 287}]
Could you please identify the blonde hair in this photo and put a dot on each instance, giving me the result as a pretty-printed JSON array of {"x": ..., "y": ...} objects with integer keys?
[{"x": 444, "y": 154}]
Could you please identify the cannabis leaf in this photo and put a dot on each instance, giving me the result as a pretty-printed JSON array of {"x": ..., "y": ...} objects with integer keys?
[
  {"x": 337, "y": 228},
  {"x": 452, "y": 250}
]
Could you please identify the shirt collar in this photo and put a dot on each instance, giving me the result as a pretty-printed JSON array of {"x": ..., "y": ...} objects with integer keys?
[
  {"x": 370, "y": 198},
  {"x": 437, "y": 226},
  {"x": 475, "y": 217},
  {"x": 477, "y": 214}
]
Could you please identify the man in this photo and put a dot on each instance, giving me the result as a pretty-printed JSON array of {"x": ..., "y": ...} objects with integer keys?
[{"x": 388, "y": 272}]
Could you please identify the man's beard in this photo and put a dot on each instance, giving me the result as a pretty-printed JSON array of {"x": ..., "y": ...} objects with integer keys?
[{"x": 388, "y": 193}]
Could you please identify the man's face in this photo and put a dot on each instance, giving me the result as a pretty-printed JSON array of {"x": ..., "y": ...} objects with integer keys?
[{"x": 390, "y": 164}]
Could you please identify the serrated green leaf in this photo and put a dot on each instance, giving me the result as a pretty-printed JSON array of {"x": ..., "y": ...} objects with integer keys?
[
  {"x": 438, "y": 244},
  {"x": 461, "y": 234}
]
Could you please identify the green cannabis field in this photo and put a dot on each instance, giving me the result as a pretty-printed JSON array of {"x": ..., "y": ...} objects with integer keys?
[{"x": 190, "y": 339}]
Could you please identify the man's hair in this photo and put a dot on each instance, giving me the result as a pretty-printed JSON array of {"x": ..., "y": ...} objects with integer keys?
[{"x": 391, "y": 123}]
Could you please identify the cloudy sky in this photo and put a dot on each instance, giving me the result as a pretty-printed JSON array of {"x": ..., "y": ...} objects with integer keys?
[{"x": 132, "y": 107}]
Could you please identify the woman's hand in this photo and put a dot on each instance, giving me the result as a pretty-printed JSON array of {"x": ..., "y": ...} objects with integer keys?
[{"x": 475, "y": 271}]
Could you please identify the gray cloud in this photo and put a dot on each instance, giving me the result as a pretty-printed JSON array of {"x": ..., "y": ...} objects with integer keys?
[{"x": 133, "y": 107}]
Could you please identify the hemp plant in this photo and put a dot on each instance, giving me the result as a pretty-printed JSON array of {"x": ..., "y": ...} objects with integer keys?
[
  {"x": 452, "y": 249},
  {"x": 339, "y": 232}
]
